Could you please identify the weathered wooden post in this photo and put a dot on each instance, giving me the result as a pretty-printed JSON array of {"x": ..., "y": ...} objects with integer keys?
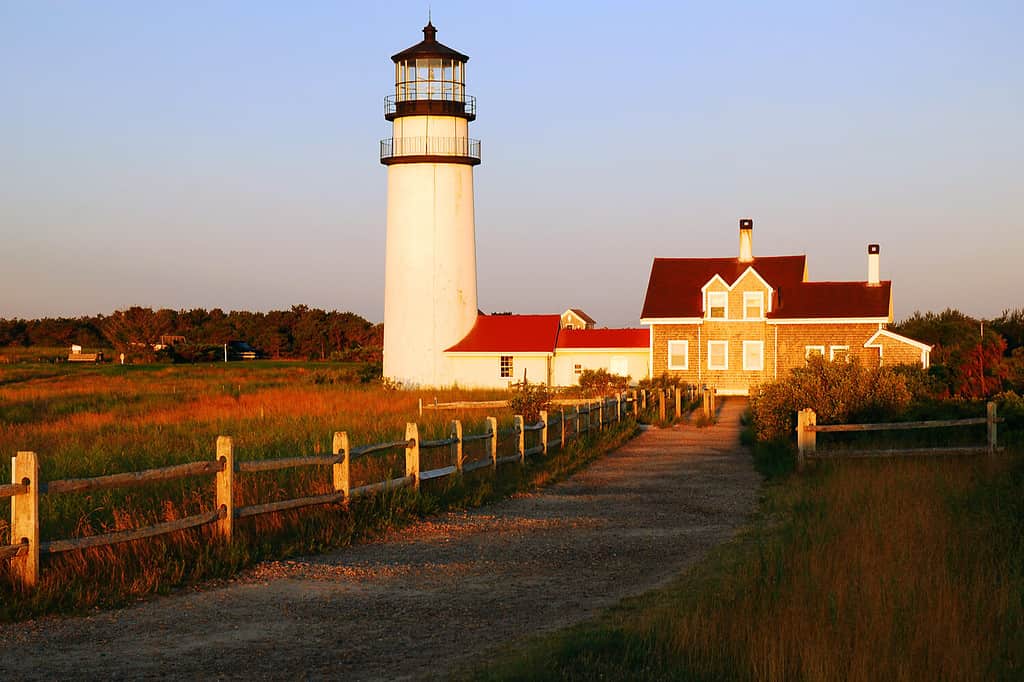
[
  {"x": 226, "y": 486},
  {"x": 561, "y": 421},
  {"x": 457, "y": 435},
  {"x": 520, "y": 438},
  {"x": 576, "y": 431},
  {"x": 600, "y": 415},
  {"x": 342, "y": 480},
  {"x": 705, "y": 403},
  {"x": 679, "y": 403},
  {"x": 421, "y": 407},
  {"x": 714, "y": 400},
  {"x": 618, "y": 407},
  {"x": 643, "y": 399},
  {"x": 25, "y": 518},
  {"x": 990, "y": 413},
  {"x": 412, "y": 453},
  {"x": 636, "y": 405},
  {"x": 544, "y": 432},
  {"x": 806, "y": 439},
  {"x": 661, "y": 404},
  {"x": 492, "y": 425}
]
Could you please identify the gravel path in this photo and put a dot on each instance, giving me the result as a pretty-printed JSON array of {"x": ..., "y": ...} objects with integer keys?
[{"x": 433, "y": 595}]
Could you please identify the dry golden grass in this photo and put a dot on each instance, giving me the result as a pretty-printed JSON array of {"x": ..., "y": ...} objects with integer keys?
[
  {"x": 893, "y": 570},
  {"x": 93, "y": 420}
]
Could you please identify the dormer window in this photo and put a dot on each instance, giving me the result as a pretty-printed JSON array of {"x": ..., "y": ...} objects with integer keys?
[
  {"x": 718, "y": 303},
  {"x": 753, "y": 305}
]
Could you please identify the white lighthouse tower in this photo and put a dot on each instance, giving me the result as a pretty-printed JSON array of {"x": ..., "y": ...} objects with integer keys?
[{"x": 430, "y": 262}]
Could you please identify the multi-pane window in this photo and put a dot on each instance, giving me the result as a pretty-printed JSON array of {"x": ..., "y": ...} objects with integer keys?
[
  {"x": 839, "y": 353},
  {"x": 506, "y": 366},
  {"x": 577, "y": 369},
  {"x": 753, "y": 356},
  {"x": 753, "y": 305},
  {"x": 678, "y": 354},
  {"x": 718, "y": 302},
  {"x": 718, "y": 355},
  {"x": 812, "y": 351}
]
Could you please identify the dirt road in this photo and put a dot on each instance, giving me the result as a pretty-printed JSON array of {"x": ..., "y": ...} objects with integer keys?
[{"x": 434, "y": 595}]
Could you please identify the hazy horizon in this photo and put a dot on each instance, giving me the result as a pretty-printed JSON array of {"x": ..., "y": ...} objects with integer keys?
[{"x": 178, "y": 155}]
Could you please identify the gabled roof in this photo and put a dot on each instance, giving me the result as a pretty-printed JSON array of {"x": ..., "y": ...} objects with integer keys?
[
  {"x": 674, "y": 289},
  {"x": 510, "y": 334},
  {"x": 833, "y": 300},
  {"x": 582, "y": 315},
  {"x": 604, "y": 338}
]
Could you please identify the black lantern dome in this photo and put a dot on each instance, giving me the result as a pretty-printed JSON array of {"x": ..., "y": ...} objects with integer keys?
[{"x": 430, "y": 79}]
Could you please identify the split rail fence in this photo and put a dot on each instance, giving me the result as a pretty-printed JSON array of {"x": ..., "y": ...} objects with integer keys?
[
  {"x": 807, "y": 430},
  {"x": 25, "y": 489}
]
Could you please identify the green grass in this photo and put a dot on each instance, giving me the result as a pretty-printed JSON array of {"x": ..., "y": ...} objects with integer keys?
[{"x": 894, "y": 570}]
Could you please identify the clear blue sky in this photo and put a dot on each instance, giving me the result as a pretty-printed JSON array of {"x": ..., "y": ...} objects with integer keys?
[{"x": 224, "y": 154}]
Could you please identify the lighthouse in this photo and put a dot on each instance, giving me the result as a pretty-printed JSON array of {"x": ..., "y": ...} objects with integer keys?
[{"x": 430, "y": 259}]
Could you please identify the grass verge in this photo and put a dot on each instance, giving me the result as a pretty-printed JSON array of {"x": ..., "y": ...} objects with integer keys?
[{"x": 895, "y": 570}]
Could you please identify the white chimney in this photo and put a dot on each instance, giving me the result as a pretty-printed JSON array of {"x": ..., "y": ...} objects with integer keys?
[
  {"x": 873, "y": 256},
  {"x": 746, "y": 240}
]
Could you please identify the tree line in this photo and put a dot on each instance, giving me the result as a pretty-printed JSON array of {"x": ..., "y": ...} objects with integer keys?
[
  {"x": 301, "y": 332},
  {"x": 971, "y": 357}
]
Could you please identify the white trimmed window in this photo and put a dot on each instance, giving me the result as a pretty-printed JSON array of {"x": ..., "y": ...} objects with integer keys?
[
  {"x": 718, "y": 355},
  {"x": 839, "y": 353},
  {"x": 718, "y": 305},
  {"x": 753, "y": 305},
  {"x": 505, "y": 365},
  {"x": 811, "y": 351},
  {"x": 679, "y": 355},
  {"x": 753, "y": 356}
]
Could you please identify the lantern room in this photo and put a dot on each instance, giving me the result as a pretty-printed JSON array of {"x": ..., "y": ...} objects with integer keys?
[{"x": 430, "y": 79}]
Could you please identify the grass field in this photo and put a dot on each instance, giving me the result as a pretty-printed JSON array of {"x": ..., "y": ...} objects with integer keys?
[
  {"x": 859, "y": 570},
  {"x": 92, "y": 420}
]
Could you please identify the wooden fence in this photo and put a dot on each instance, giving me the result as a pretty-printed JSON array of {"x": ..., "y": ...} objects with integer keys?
[
  {"x": 807, "y": 429},
  {"x": 28, "y": 547}
]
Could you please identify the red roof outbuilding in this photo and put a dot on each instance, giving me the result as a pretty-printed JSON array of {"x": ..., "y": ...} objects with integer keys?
[{"x": 510, "y": 334}]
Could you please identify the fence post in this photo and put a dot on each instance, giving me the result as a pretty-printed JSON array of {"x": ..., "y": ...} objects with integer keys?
[
  {"x": 576, "y": 431},
  {"x": 618, "y": 407},
  {"x": 705, "y": 402},
  {"x": 561, "y": 445},
  {"x": 990, "y": 413},
  {"x": 226, "y": 486},
  {"x": 679, "y": 403},
  {"x": 492, "y": 424},
  {"x": 457, "y": 433},
  {"x": 521, "y": 438},
  {"x": 600, "y": 415},
  {"x": 661, "y": 404},
  {"x": 544, "y": 433},
  {"x": 25, "y": 518},
  {"x": 806, "y": 440},
  {"x": 342, "y": 481},
  {"x": 643, "y": 399},
  {"x": 412, "y": 454},
  {"x": 636, "y": 405}
]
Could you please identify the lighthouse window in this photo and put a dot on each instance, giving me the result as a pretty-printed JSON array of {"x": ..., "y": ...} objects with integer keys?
[{"x": 506, "y": 366}]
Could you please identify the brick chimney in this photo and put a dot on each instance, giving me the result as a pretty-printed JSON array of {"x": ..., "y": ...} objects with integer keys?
[
  {"x": 873, "y": 256},
  {"x": 746, "y": 240}
]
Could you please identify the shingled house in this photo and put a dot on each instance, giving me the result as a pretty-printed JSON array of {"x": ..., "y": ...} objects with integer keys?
[{"x": 735, "y": 322}]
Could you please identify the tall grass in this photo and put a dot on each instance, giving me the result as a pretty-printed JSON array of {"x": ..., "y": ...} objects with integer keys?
[
  {"x": 89, "y": 421},
  {"x": 894, "y": 570}
]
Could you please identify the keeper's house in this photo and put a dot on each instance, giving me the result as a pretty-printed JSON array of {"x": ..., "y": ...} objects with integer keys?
[{"x": 733, "y": 323}]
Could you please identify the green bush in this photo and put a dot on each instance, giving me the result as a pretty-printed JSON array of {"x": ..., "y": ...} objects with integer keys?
[
  {"x": 529, "y": 399},
  {"x": 599, "y": 382},
  {"x": 839, "y": 392}
]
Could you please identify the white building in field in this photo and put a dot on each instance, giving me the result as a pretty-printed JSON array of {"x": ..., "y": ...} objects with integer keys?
[{"x": 433, "y": 333}]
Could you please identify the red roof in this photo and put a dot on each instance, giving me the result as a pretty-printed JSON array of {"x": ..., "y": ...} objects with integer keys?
[
  {"x": 833, "y": 299},
  {"x": 604, "y": 338},
  {"x": 674, "y": 289},
  {"x": 510, "y": 334}
]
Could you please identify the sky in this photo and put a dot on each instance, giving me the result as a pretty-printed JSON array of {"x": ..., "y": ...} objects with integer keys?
[{"x": 189, "y": 154}]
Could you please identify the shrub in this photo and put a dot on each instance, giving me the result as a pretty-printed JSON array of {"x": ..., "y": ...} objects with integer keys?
[
  {"x": 529, "y": 399},
  {"x": 837, "y": 391},
  {"x": 598, "y": 382}
]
